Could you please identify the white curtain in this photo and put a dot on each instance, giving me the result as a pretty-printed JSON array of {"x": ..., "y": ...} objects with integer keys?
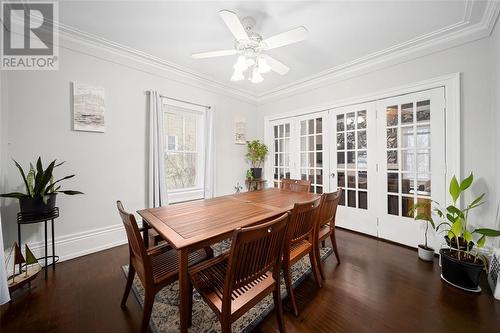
[
  {"x": 157, "y": 186},
  {"x": 210, "y": 155},
  {"x": 4, "y": 291}
]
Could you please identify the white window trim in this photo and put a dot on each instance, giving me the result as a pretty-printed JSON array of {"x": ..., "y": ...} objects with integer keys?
[
  {"x": 451, "y": 84},
  {"x": 196, "y": 192}
]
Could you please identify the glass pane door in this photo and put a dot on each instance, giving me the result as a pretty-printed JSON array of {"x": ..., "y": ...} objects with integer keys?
[
  {"x": 413, "y": 161},
  {"x": 312, "y": 152},
  {"x": 280, "y": 151},
  {"x": 353, "y": 165}
]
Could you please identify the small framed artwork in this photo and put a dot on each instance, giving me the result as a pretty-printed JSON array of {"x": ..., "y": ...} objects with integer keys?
[
  {"x": 240, "y": 129},
  {"x": 88, "y": 108}
]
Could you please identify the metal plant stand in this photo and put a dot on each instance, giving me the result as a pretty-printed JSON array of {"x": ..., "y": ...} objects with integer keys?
[{"x": 30, "y": 218}]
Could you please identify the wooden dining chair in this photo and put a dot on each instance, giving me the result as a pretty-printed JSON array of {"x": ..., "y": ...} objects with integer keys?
[
  {"x": 234, "y": 282},
  {"x": 325, "y": 226},
  {"x": 299, "y": 242},
  {"x": 295, "y": 185},
  {"x": 156, "y": 267}
]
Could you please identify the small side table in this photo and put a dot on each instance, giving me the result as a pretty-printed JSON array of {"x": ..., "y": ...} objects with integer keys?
[
  {"x": 255, "y": 184},
  {"x": 29, "y": 218}
]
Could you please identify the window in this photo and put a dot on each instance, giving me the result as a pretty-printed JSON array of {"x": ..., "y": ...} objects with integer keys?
[
  {"x": 184, "y": 153},
  {"x": 281, "y": 165}
]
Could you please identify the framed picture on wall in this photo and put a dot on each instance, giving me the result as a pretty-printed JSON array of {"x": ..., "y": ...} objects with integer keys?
[
  {"x": 88, "y": 108},
  {"x": 240, "y": 129}
]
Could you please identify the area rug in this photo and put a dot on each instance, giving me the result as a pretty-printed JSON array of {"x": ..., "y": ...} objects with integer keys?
[{"x": 165, "y": 316}]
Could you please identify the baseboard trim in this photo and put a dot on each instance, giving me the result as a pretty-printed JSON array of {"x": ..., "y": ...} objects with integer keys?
[{"x": 79, "y": 244}]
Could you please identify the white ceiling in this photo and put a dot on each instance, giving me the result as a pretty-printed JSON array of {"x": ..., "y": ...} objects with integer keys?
[{"x": 340, "y": 32}]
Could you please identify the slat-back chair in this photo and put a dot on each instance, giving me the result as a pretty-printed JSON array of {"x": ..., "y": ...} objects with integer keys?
[
  {"x": 299, "y": 242},
  {"x": 156, "y": 267},
  {"x": 295, "y": 185},
  {"x": 234, "y": 282},
  {"x": 326, "y": 225}
]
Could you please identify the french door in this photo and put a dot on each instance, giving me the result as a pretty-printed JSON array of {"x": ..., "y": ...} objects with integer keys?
[
  {"x": 386, "y": 156},
  {"x": 353, "y": 166},
  {"x": 298, "y": 150},
  {"x": 412, "y": 164}
]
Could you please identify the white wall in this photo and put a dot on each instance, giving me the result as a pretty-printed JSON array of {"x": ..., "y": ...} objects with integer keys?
[
  {"x": 110, "y": 165},
  {"x": 496, "y": 111},
  {"x": 475, "y": 61}
]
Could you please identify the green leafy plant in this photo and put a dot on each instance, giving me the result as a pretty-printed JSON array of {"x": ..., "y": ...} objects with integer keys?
[
  {"x": 249, "y": 175},
  {"x": 39, "y": 182},
  {"x": 422, "y": 212},
  {"x": 455, "y": 222},
  {"x": 257, "y": 152}
]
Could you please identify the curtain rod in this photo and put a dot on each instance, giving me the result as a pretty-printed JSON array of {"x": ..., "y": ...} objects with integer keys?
[{"x": 180, "y": 100}]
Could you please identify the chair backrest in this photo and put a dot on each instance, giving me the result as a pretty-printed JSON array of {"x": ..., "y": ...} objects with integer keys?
[
  {"x": 302, "y": 222},
  {"x": 138, "y": 253},
  {"x": 254, "y": 251},
  {"x": 295, "y": 185},
  {"x": 328, "y": 208}
]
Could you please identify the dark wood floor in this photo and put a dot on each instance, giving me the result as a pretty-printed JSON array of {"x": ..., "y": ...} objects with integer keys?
[{"x": 379, "y": 287}]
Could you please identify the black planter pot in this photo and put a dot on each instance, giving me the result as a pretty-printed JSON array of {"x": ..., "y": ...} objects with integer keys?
[
  {"x": 36, "y": 205},
  {"x": 256, "y": 173},
  {"x": 459, "y": 273}
]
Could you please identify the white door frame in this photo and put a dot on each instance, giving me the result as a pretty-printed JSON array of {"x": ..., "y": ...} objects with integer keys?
[{"x": 451, "y": 84}]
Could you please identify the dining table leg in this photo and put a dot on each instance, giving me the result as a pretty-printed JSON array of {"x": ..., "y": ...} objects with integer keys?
[{"x": 183, "y": 289}]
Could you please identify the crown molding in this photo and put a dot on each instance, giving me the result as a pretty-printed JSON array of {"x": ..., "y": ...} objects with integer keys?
[
  {"x": 439, "y": 40},
  {"x": 73, "y": 39},
  {"x": 447, "y": 37}
]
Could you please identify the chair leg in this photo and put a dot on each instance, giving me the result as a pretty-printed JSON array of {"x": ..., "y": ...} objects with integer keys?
[
  {"x": 314, "y": 267},
  {"x": 318, "y": 261},
  {"x": 149, "y": 300},
  {"x": 323, "y": 244},
  {"x": 190, "y": 305},
  {"x": 334, "y": 245},
  {"x": 225, "y": 324},
  {"x": 128, "y": 286},
  {"x": 289, "y": 289},
  {"x": 278, "y": 307},
  {"x": 209, "y": 251}
]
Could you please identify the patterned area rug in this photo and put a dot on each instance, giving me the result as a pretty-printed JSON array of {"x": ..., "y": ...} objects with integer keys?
[{"x": 165, "y": 316}]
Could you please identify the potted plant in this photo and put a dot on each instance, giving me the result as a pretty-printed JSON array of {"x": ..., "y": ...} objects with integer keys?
[
  {"x": 249, "y": 175},
  {"x": 422, "y": 212},
  {"x": 256, "y": 154},
  {"x": 462, "y": 262},
  {"x": 41, "y": 189}
]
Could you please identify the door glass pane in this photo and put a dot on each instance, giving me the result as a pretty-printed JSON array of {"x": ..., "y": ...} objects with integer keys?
[
  {"x": 351, "y": 198},
  {"x": 363, "y": 200},
  {"x": 350, "y": 140},
  {"x": 351, "y": 179},
  {"x": 341, "y": 160},
  {"x": 361, "y": 119},
  {"x": 392, "y": 138},
  {"x": 393, "y": 204},
  {"x": 424, "y": 185},
  {"x": 319, "y": 142},
  {"x": 407, "y": 113},
  {"x": 362, "y": 180},
  {"x": 408, "y": 160},
  {"x": 392, "y": 160},
  {"x": 340, "y": 123},
  {"x": 350, "y": 121},
  {"x": 423, "y": 136},
  {"x": 393, "y": 182},
  {"x": 361, "y": 139},
  {"x": 362, "y": 159},
  {"x": 407, "y": 205},
  {"x": 319, "y": 125},
  {"x": 423, "y": 160},
  {"x": 407, "y": 137},
  {"x": 423, "y": 111},
  {"x": 407, "y": 183},
  {"x": 340, "y": 141},
  {"x": 341, "y": 179},
  {"x": 351, "y": 160},
  {"x": 392, "y": 115}
]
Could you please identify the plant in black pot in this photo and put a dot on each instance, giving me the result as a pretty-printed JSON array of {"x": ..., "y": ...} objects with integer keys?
[
  {"x": 256, "y": 154},
  {"x": 462, "y": 262},
  {"x": 41, "y": 189},
  {"x": 422, "y": 212}
]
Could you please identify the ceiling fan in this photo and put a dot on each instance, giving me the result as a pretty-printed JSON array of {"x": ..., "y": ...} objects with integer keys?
[{"x": 250, "y": 47}]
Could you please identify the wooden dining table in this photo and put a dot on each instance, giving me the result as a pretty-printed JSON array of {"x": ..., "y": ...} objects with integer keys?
[{"x": 197, "y": 224}]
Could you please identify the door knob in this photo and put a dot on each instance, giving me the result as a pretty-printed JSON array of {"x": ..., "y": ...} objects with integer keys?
[{"x": 332, "y": 175}]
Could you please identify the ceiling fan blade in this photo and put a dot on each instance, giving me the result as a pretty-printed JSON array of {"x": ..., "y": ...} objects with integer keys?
[
  {"x": 286, "y": 38},
  {"x": 234, "y": 24},
  {"x": 276, "y": 65},
  {"x": 212, "y": 54}
]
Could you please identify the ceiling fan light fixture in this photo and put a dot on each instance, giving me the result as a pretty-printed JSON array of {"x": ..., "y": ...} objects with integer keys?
[
  {"x": 237, "y": 75},
  {"x": 241, "y": 64},
  {"x": 256, "y": 77},
  {"x": 263, "y": 65}
]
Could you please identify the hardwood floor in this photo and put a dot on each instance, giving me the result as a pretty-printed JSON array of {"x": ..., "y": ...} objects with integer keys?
[{"x": 379, "y": 287}]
